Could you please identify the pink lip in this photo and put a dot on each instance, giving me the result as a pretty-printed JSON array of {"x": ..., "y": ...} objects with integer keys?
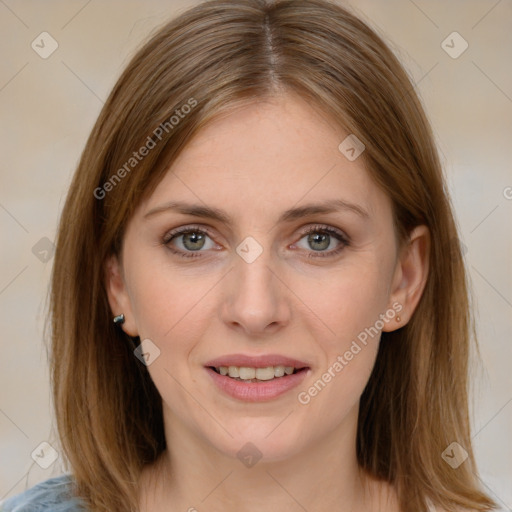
[
  {"x": 257, "y": 391},
  {"x": 256, "y": 361}
]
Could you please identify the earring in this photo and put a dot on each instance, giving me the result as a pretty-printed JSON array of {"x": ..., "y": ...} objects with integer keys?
[
  {"x": 119, "y": 319},
  {"x": 398, "y": 319}
]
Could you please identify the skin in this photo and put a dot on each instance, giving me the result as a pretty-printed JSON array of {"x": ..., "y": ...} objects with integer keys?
[{"x": 254, "y": 163}]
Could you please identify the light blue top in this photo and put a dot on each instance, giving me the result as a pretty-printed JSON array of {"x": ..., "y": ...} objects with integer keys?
[{"x": 52, "y": 495}]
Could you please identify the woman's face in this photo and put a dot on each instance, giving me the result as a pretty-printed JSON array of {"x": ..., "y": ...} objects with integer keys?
[{"x": 254, "y": 284}]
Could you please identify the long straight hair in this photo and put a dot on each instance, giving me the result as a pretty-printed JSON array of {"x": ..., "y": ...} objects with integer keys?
[{"x": 206, "y": 62}]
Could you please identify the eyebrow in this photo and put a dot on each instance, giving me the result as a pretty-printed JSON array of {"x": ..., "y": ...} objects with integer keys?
[{"x": 332, "y": 206}]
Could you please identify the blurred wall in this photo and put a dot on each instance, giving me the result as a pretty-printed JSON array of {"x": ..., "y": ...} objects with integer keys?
[{"x": 49, "y": 102}]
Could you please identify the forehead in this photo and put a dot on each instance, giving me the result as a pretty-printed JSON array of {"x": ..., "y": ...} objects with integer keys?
[{"x": 265, "y": 157}]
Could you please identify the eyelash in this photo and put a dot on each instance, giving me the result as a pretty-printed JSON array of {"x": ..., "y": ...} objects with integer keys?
[{"x": 338, "y": 235}]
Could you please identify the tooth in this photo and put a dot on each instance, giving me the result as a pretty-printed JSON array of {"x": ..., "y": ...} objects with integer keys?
[
  {"x": 233, "y": 371},
  {"x": 223, "y": 370},
  {"x": 278, "y": 371},
  {"x": 288, "y": 370},
  {"x": 265, "y": 373},
  {"x": 245, "y": 373}
]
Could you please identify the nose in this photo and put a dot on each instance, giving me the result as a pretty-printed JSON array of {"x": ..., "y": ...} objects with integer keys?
[{"x": 256, "y": 300}]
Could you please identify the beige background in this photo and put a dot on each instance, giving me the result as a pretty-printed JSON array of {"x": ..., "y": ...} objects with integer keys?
[{"x": 48, "y": 107}]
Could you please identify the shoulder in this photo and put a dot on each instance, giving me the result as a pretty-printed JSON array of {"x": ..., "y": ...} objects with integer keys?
[{"x": 52, "y": 495}]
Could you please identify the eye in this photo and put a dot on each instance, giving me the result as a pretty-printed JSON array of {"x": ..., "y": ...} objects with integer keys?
[
  {"x": 319, "y": 238},
  {"x": 189, "y": 239}
]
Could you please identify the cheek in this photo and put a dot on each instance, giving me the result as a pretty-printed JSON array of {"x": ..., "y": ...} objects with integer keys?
[
  {"x": 346, "y": 300},
  {"x": 173, "y": 310},
  {"x": 350, "y": 305},
  {"x": 168, "y": 303},
  {"x": 333, "y": 396}
]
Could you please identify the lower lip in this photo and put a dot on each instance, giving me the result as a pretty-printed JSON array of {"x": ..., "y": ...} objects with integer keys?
[{"x": 258, "y": 391}]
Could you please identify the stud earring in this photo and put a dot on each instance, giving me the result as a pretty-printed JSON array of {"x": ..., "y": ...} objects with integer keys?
[
  {"x": 398, "y": 319},
  {"x": 119, "y": 319}
]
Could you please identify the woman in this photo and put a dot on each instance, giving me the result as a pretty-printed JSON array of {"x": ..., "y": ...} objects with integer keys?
[{"x": 258, "y": 297}]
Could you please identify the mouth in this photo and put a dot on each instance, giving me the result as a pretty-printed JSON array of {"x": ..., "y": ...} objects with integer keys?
[{"x": 256, "y": 378}]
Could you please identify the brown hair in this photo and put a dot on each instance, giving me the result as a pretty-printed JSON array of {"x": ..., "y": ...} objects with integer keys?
[{"x": 213, "y": 58}]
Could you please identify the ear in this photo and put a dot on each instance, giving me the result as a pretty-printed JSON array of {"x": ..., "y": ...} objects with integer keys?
[
  {"x": 410, "y": 276},
  {"x": 118, "y": 296}
]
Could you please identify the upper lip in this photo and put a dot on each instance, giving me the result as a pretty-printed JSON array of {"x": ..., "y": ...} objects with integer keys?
[{"x": 261, "y": 361}]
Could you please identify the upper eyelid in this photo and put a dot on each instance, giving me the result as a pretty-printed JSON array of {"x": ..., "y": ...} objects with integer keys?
[{"x": 185, "y": 229}]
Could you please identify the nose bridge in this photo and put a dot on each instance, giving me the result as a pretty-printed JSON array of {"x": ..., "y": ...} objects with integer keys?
[{"x": 256, "y": 297}]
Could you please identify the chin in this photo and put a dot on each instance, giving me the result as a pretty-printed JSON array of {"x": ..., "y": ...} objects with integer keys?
[{"x": 262, "y": 441}]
